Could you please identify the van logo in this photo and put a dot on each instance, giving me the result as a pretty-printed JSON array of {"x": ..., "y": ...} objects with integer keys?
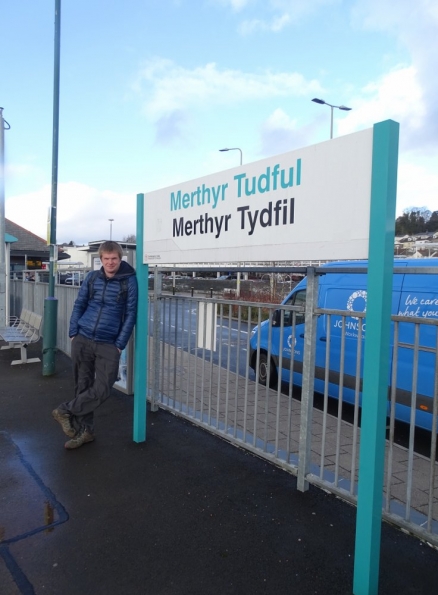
[
  {"x": 289, "y": 341},
  {"x": 357, "y": 302}
]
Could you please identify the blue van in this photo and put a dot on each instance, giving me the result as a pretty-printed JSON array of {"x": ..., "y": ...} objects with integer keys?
[{"x": 414, "y": 329}]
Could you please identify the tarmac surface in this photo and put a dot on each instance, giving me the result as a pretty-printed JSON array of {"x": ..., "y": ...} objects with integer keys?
[{"x": 184, "y": 513}]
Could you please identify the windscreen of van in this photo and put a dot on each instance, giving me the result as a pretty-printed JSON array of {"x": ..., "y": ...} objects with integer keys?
[{"x": 296, "y": 299}]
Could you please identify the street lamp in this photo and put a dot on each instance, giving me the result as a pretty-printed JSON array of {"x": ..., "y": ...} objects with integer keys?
[
  {"x": 234, "y": 149},
  {"x": 4, "y": 319},
  {"x": 342, "y": 107},
  {"x": 111, "y": 228}
]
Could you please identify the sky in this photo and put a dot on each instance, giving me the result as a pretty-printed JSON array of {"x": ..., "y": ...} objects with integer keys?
[{"x": 151, "y": 90}]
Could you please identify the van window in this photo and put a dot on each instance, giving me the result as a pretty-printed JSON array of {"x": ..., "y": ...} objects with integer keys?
[{"x": 296, "y": 299}]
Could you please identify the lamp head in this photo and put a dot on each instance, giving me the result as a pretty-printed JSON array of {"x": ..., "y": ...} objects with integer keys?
[
  {"x": 343, "y": 107},
  {"x": 321, "y": 101}
]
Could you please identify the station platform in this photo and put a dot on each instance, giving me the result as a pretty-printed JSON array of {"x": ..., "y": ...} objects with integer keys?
[{"x": 184, "y": 513}]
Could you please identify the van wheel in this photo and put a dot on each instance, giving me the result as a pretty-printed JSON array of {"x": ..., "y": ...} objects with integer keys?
[{"x": 263, "y": 371}]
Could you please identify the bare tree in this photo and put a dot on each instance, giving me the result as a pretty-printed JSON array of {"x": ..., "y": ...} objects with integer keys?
[{"x": 414, "y": 220}]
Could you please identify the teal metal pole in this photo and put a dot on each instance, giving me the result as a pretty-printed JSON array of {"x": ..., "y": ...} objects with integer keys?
[
  {"x": 50, "y": 330},
  {"x": 50, "y": 312},
  {"x": 141, "y": 333},
  {"x": 3, "y": 295},
  {"x": 376, "y": 358}
]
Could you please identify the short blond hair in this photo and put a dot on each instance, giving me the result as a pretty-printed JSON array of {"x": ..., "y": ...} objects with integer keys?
[{"x": 110, "y": 246}]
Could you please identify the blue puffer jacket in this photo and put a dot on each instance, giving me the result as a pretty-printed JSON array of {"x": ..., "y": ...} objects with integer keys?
[{"x": 106, "y": 311}]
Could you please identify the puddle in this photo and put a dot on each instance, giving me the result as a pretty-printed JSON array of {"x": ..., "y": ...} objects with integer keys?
[{"x": 27, "y": 506}]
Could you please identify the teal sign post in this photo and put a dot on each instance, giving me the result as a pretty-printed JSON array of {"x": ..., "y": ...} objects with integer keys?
[
  {"x": 141, "y": 332},
  {"x": 376, "y": 357}
]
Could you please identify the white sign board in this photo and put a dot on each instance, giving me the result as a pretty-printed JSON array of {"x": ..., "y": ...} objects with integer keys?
[{"x": 309, "y": 204}]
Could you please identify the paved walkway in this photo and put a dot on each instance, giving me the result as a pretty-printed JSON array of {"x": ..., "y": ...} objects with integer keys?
[
  {"x": 184, "y": 513},
  {"x": 271, "y": 421}
]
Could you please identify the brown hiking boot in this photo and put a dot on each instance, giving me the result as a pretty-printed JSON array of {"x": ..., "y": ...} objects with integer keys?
[
  {"x": 82, "y": 437},
  {"x": 64, "y": 420}
]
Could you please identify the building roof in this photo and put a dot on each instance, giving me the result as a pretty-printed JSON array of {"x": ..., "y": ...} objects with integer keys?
[
  {"x": 26, "y": 240},
  {"x": 27, "y": 243}
]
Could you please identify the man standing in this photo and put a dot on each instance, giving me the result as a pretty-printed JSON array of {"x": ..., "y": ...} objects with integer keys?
[{"x": 101, "y": 323}]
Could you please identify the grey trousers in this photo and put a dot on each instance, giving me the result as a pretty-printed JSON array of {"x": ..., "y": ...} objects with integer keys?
[{"x": 95, "y": 369}]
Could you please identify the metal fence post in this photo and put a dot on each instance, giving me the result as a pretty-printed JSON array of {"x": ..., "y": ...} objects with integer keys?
[
  {"x": 308, "y": 379},
  {"x": 156, "y": 351}
]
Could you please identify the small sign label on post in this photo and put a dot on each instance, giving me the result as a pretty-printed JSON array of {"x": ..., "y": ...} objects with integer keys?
[{"x": 206, "y": 331}]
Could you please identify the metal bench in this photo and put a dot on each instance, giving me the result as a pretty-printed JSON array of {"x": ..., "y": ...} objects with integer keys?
[{"x": 20, "y": 333}]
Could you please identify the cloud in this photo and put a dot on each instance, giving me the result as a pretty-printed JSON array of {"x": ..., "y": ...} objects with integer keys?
[
  {"x": 409, "y": 22},
  {"x": 281, "y": 13},
  {"x": 398, "y": 95},
  {"x": 15, "y": 170},
  {"x": 170, "y": 127},
  {"x": 25, "y": 173},
  {"x": 408, "y": 92},
  {"x": 281, "y": 134},
  {"x": 275, "y": 24},
  {"x": 405, "y": 94},
  {"x": 168, "y": 87},
  {"x": 417, "y": 184},
  {"x": 415, "y": 26},
  {"x": 76, "y": 202},
  {"x": 236, "y": 5}
]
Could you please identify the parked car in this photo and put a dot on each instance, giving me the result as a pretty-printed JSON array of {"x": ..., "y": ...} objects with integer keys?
[{"x": 76, "y": 278}]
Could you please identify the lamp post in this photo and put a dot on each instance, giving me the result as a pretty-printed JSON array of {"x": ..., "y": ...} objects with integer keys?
[
  {"x": 234, "y": 149},
  {"x": 50, "y": 324},
  {"x": 3, "y": 293},
  {"x": 342, "y": 107},
  {"x": 111, "y": 228}
]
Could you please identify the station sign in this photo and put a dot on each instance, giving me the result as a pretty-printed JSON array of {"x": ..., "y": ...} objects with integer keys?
[{"x": 308, "y": 204}]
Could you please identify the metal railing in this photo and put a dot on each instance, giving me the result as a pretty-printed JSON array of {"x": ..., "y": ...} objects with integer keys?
[
  {"x": 206, "y": 378},
  {"x": 198, "y": 367},
  {"x": 31, "y": 295}
]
